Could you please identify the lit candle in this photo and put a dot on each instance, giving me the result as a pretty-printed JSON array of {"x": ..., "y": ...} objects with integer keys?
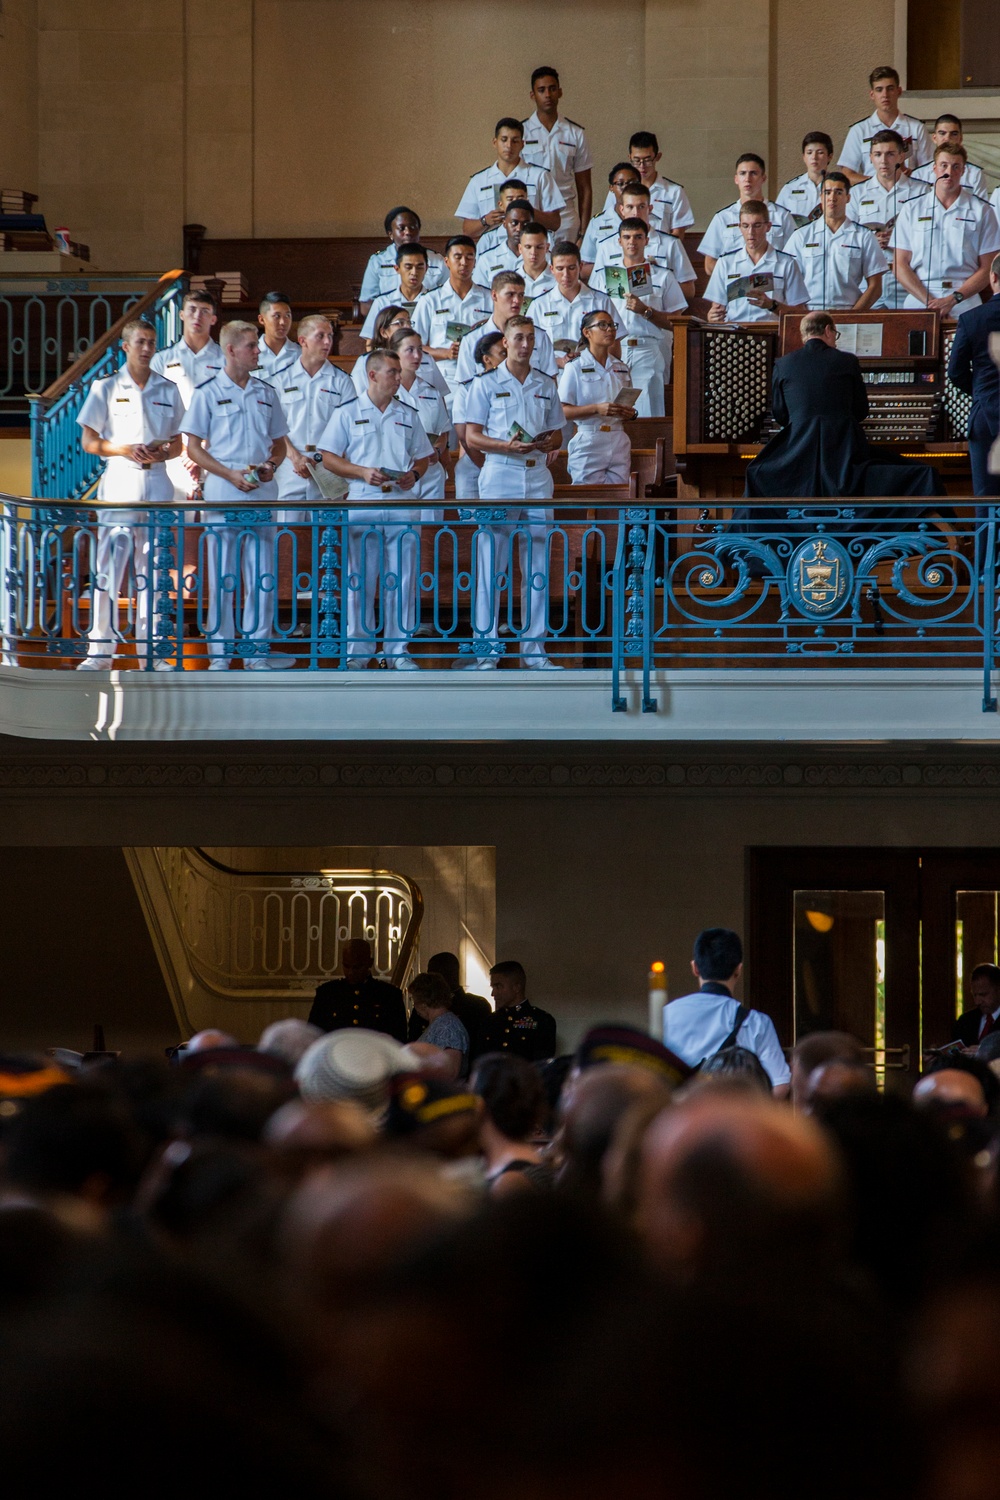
[{"x": 657, "y": 999}]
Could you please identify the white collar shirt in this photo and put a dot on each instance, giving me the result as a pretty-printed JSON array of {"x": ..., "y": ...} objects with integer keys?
[
  {"x": 800, "y": 197},
  {"x": 489, "y": 263},
  {"x": 876, "y": 206},
  {"x": 723, "y": 234},
  {"x": 972, "y": 177},
  {"x": 480, "y": 196},
  {"x": 429, "y": 406},
  {"x": 836, "y": 264},
  {"x": 561, "y": 316},
  {"x": 309, "y": 401},
  {"x": 945, "y": 244},
  {"x": 381, "y": 275},
  {"x": 993, "y": 1017},
  {"x": 789, "y": 286},
  {"x": 665, "y": 249},
  {"x": 389, "y": 299},
  {"x": 427, "y": 370},
  {"x": 857, "y": 147},
  {"x": 188, "y": 368},
  {"x": 600, "y": 226},
  {"x": 543, "y": 358},
  {"x": 565, "y": 152},
  {"x": 663, "y": 294},
  {"x": 499, "y": 399},
  {"x": 460, "y": 401},
  {"x": 669, "y": 207},
  {"x": 995, "y": 201},
  {"x": 585, "y": 382},
  {"x": 363, "y": 435},
  {"x": 269, "y": 363},
  {"x": 237, "y": 425},
  {"x": 537, "y": 288},
  {"x": 434, "y": 312},
  {"x": 695, "y": 1027},
  {"x": 119, "y": 410}
]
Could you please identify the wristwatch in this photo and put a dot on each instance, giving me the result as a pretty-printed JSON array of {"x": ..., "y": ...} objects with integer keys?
[
  {"x": 774, "y": 307},
  {"x": 958, "y": 296}
]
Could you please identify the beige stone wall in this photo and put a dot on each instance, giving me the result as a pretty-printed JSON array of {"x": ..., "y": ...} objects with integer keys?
[{"x": 310, "y": 117}]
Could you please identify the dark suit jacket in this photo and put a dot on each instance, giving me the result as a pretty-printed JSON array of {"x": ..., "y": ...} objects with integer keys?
[
  {"x": 972, "y": 370},
  {"x": 966, "y": 1028},
  {"x": 375, "y": 1005}
]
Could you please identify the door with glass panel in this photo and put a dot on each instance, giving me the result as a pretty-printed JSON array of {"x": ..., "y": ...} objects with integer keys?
[{"x": 960, "y": 909}]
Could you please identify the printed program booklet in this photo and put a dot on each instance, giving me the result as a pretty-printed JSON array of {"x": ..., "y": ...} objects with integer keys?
[
  {"x": 757, "y": 281},
  {"x": 518, "y": 434},
  {"x": 802, "y": 219},
  {"x": 619, "y": 281}
]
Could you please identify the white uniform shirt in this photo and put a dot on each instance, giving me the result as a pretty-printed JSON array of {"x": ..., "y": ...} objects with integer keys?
[
  {"x": 836, "y": 266},
  {"x": 662, "y": 295},
  {"x": 669, "y": 207},
  {"x": 534, "y": 289},
  {"x": 800, "y": 196},
  {"x": 430, "y": 408},
  {"x": 789, "y": 285},
  {"x": 723, "y": 234},
  {"x": 585, "y": 382},
  {"x": 665, "y": 249},
  {"x": 497, "y": 400},
  {"x": 972, "y": 177},
  {"x": 857, "y": 147},
  {"x": 946, "y": 243},
  {"x": 870, "y": 203},
  {"x": 434, "y": 312},
  {"x": 600, "y": 226},
  {"x": 695, "y": 1027},
  {"x": 995, "y": 202},
  {"x": 308, "y": 402},
  {"x": 561, "y": 318},
  {"x": 389, "y": 299},
  {"x": 370, "y": 438},
  {"x": 543, "y": 356},
  {"x": 269, "y": 364},
  {"x": 237, "y": 426},
  {"x": 427, "y": 370},
  {"x": 380, "y": 273},
  {"x": 479, "y": 197},
  {"x": 117, "y": 409},
  {"x": 188, "y": 368},
  {"x": 564, "y": 151}
]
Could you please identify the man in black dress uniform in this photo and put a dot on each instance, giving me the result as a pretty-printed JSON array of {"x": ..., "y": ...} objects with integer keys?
[
  {"x": 358, "y": 999},
  {"x": 820, "y": 400},
  {"x": 472, "y": 1010},
  {"x": 517, "y": 1026}
]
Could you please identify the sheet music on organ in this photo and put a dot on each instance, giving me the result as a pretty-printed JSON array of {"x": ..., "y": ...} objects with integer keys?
[{"x": 862, "y": 339}]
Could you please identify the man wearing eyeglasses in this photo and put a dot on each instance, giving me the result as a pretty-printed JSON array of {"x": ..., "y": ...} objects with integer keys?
[
  {"x": 841, "y": 262},
  {"x": 606, "y": 222},
  {"x": 671, "y": 210}
]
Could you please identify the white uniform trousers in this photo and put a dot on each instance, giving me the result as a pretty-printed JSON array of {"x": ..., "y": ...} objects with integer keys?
[
  {"x": 466, "y": 478},
  {"x": 120, "y": 541},
  {"x": 383, "y": 552},
  {"x": 491, "y": 543},
  {"x": 596, "y": 457},
  {"x": 648, "y": 361},
  {"x": 431, "y": 487},
  {"x": 230, "y": 553}
]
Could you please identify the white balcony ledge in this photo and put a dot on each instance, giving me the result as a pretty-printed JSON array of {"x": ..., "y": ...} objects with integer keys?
[{"x": 822, "y": 705}]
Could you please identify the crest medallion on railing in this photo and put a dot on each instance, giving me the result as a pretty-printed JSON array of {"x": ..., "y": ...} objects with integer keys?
[{"x": 819, "y": 576}]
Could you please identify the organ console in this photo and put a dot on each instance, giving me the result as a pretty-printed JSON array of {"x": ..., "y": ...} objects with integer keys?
[{"x": 722, "y": 394}]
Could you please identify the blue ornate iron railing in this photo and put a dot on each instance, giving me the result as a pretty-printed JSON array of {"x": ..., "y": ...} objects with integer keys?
[
  {"x": 59, "y": 466},
  {"x": 619, "y": 586}
]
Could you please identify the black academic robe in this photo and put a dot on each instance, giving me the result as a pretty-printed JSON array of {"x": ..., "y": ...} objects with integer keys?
[{"x": 820, "y": 400}]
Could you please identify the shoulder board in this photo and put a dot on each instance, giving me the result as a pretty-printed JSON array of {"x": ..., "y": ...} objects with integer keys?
[
  {"x": 863, "y": 121},
  {"x": 978, "y": 197},
  {"x": 726, "y": 254},
  {"x": 544, "y": 374},
  {"x": 612, "y": 236},
  {"x": 202, "y": 384},
  {"x": 573, "y": 122},
  {"x": 488, "y": 168},
  {"x": 782, "y": 254}
]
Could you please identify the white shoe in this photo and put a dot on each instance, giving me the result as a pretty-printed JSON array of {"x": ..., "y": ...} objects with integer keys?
[
  {"x": 276, "y": 662},
  {"x": 220, "y": 663},
  {"x": 95, "y": 664},
  {"x": 403, "y": 663},
  {"x": 163, "y": 666},
  {"x": 479, "y": 664},
  {"x": 358, "y": 663},
  {"x": 539, "y": 662}
]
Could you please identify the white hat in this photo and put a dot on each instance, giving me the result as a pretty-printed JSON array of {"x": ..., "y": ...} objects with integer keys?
[{"x": 353, "y": 1063}]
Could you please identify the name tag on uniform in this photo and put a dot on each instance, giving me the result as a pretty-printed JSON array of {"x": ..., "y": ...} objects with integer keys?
[
  {"x": 553, "y": 314},
  {"x": 588, "y": 369},
  {"x": 175, "y": 364},
  {"x": 501, "y": 395},
  {"x": 812, "y": 245},
  {"x": 361, "y": 422},
  {"x": 226, "y": 402},
  {"x": 291, "y": 390},
  {"x": 123, "y": 400},
  {"x": 868, "y": 203},
  {"x": 925, "y": 218}
]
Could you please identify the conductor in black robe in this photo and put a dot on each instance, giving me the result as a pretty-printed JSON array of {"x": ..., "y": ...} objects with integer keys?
[{"x": 819, "y": 397}]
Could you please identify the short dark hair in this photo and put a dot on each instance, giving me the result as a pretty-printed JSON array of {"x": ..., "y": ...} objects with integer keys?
[
  {"x": 622, "y": 166},
  {"x": 506, "y": 278},
  {"x": 543, "y": 73},
  {"x": 818, "y": 138},
  {"x": 380, "y": 336},
  {"x": 274, "y": 299},
  {"x": 484, "y": 345},
  {"x": 944, "y": 150},
  {"x": 949, "y": 119},
  {"x": 510, "y": 966},
  {"x": 718, "y": 952},
  {"x": 565, "y": 247},
  {"x": 738, "y": 1063},
  {"x": 521, "y": 204},
  {"x": 431, "y": 989},
  {"x": 508, "y": 123},
  {"x": 644, "y": 139},
  {"x": 634, "y": 224},
  {"x": 394, "y": 213},
  {"x": 512, "y": 1092},
  {"x": 750, "y": 156},
  {"x": 446, "y": 964},
  {"x": 887, "y": 138},
  {"x": 513, "y": 182},
  {"x": 877, "y": 74},
  {"x": 986, "y": 971},
  {"x": 460, "y": 239},
  {"x": 198, "y": 294},
  {"x": 636, "y": 189},
  {"x": 413, "y": 248},
  {"x": 534, "y": 228},
  {"x": 838, "y": 177}
]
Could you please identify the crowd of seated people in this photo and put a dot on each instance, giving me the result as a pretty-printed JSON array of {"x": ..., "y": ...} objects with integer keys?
[
  {"x": 543, "y": 326},
  {"x": 388, "y": 1253}
]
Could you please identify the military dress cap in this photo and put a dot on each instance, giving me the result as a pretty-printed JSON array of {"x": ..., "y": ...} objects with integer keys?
[
  {"x": 419, "y": 1101},
  {"x": 355, "y": 1064},
  {"x": 630, "y": 1047}
]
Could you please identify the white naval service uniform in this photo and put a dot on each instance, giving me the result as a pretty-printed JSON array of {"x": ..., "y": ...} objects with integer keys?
[
  {"x": 946, "y": 243},
  {"x": 117, "y": 409},
  {"x": 561, "y": 317},
  {"x": 564, "y": 151},
  {"x": 542, "y": 358},
  {"x": 789, "y": 284},
  {"x": 188, "y": 368},
  {"x": 646, "y": 349},
  {"x": 496, "y": 401},
  {"x": 972, "y": 177},
  {"x": 428, "y": 371},
  {"x": 837, "y": 265},
  {"x": 381, "y": 275},
  {"x": 601, "y": 225},
  {"x": 434, "y": 312},
  {"x": 494, "y": 259},
  {"x": 269, "y": 363},
  {"x": 800, "y": 196},
  {"x": 723, "y": 234},
  {"x": 600, "y": 451},
  {"x": 238, "y": 427},
  {"x": 479, "y": 198},
  {"x": 389, "y": 299},
  {"x": 857, "y": 147},
  {"x": 669, "y": 206},
  {"x": 662, "y": 249},
  {"x": 466, "y": 472},
  {"x": 382, "y": 544},
  {"x": 431, "y": 408},
  {"x": 871, "y": 203},
  {"x": 308, "y": 402}
]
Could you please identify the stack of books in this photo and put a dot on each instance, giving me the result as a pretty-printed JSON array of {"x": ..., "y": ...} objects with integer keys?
[
  {"x": 228, "y": 287},
  {"x": 16, "y": 201}
]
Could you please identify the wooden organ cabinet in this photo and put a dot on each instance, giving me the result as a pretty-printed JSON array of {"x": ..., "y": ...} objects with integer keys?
[{"x": 722, "y": 395}]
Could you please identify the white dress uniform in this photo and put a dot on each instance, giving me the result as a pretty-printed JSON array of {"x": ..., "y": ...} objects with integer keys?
[
  {"x": 543, "y": 356},
  {"x": 479, "y": 197},
  {"x": 489, "y": 262},
  {"x": 428, "y": 371},
  {"x": 946, "y": 243},
  {"x": 789, "y": 283},
  {"x": 381, "y": 276},
  {"x": 496, "y": 401},
  {"x": 238, "y": 427},
  {"x": 434, "y": 312},
  {"x": 972, "y": 177},
  {"x": 599, "y": 451},
  {"x": 995, "y": 202},
  {"x": 269, "y": 363},
  {"x": 431, "y": 408},
  {"x": 119, "y": 410},
  {"x": 389, "y": 299},
  {"x": 383, "y": 546},
  {"x": 870, "y": 203},
  {"x": 665, "y": 249},
  {"x": 857, "y": 147},
  {"x": 669, "y": 206},
  {"x": 600, "y": 226},
  {"x": 534, "y": 289},
  {"x": 564, "y": 150},
  {"x": 837, "y": 264},
  {"x": 646, "y": 349},
  {"x": 466, "y": 472},
  {"x": 561, "y": 316},
  {"x": 723, "y": 234},
  {"x": 187, "y": 368},
  {"x": 800, "y": 196},
  {"x": 308, "y": 402}
]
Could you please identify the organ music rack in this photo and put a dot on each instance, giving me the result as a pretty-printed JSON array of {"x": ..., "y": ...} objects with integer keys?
[{"x": 722, "y": 396}]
